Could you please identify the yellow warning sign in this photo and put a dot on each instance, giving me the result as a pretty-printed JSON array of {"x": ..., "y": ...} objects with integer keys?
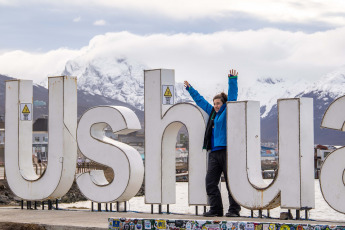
[
  {"x": 167, "y": 92},
  {"x": 26, "y": 109}
]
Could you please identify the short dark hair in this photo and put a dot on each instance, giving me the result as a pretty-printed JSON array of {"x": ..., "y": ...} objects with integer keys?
[{"x": 222, "y": 96}]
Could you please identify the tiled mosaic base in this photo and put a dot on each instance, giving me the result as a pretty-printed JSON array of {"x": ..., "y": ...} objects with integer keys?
[{"x": 143, "y": 224}]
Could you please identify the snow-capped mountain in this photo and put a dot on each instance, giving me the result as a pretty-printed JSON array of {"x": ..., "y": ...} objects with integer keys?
[
  {"x": 269, "y": 90},
  {"x": 122, "y": 79},
  {"x": 331, "y": 85},
  {"x": 115, "y": 78},
  {"x": 323, "y": 92}
]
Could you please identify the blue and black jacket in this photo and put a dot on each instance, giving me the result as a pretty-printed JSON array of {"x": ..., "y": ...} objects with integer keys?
[{"x": 215, "y": 138}]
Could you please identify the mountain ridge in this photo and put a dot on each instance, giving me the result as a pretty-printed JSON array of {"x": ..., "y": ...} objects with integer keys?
[
  {"x": 120, "y": 81},
  {"x": 85, "y": 101}
]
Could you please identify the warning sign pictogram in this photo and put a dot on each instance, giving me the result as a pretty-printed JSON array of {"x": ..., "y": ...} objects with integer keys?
[
  {"x": 167, "y": 92},
  {"x": 25, "y": 111}
]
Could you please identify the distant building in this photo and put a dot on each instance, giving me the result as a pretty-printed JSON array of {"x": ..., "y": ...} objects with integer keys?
[
  {"x": 132, "y": 139},
  {"x": 39, "y": 104},
  {"x": 320, "y": 154},
  {"x": 269, "y": 144},
  {"x": 2, "y": 138},
  {"x": 181, "y": 155},
  {"x": 40, "y": 139},
  {"x": 269, "y": 160},
  {"x": 268, "y": 153},
  {"x": 2, "y": 130}
]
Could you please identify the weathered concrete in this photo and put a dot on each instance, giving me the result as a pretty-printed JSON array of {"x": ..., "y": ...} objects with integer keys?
[{"x": 84, "y": 219}]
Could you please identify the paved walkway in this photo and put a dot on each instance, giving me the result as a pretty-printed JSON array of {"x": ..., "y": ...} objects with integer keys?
[{"x": 84, "y": 219}]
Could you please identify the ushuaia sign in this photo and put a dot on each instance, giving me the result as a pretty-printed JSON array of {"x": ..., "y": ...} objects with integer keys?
[{"x": 293, "y": 187}]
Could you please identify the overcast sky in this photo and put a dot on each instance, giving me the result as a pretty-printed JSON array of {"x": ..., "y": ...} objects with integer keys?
[{"x": 200, "y": 39}]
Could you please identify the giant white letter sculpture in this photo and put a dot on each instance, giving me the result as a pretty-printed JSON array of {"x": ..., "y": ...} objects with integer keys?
[
  {"x": 332, "y": 178},
  {"x": 124, "y": 160},
  {"x": 62, "y": 148},
  {"x": 293, "y": 187},
  {"x": 163, "y": 120}
]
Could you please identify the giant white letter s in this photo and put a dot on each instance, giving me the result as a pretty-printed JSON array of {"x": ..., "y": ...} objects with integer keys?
[{"x": 124, "y": 160}]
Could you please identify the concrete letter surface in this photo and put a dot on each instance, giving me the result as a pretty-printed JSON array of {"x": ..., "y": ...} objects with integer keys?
[
  {"x": 62, "y": 148},
  {"x": 332, "y": 178},
  {"x": 293, "y": 186},
  {"x": 124, "y": 160},
  {"x": 162, "y": 123}
]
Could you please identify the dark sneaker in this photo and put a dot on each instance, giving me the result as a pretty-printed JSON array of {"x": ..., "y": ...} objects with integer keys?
[
  {"x": 212, "y": 213},
  {"x": 232, "y": 214}
]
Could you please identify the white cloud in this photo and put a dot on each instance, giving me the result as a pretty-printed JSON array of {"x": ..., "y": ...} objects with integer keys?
[
  {"x": 203, "y": 59},
  {"x": 294, "y": 11},
  {"x": 99, "y": 23},
  {"x": 35, "y": 66},
  {"x": 78, "y": 19},
  {"x": 8, "y": 3}
]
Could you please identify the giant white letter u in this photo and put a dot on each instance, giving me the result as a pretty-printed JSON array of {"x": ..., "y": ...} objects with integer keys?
[{"x": 62, "y": 148}]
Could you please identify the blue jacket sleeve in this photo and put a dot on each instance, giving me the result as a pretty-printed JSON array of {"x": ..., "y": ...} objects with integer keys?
[
  {"x": 200, "y": 101},
  {"x": 233, "y": 88}
]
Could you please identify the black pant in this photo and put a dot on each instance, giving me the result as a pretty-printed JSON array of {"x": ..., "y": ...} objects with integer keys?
[{"x": 217, "y": 164}]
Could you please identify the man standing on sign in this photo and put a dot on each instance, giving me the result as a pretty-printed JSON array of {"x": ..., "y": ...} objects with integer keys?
[{"x": 215, "y": 140}]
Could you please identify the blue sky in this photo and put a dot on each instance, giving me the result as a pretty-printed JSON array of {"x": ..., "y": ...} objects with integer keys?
[{"x": 262, "y": 38}]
